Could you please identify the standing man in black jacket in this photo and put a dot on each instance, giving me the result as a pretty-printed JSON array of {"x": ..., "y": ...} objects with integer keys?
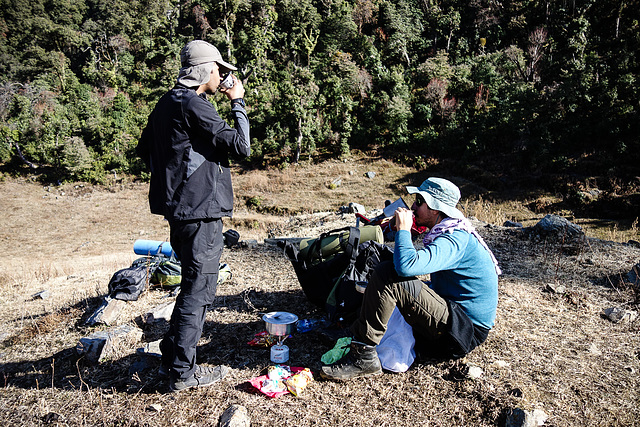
[{"x": 187, "y": 146}]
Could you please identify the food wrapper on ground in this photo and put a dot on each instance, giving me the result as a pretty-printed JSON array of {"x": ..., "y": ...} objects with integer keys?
[
  {"x": 272, "y": 386},
  {"x": 278, "y": 372},
  {"x": 299, "y": 381},
  {"x": 263, "y": 339},
  {"x": 337, "y": 352},
  {"x": 258, "y": 382}
]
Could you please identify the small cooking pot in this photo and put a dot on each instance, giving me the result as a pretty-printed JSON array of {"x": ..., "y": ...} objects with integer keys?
[{"x": 280, "y": 323}]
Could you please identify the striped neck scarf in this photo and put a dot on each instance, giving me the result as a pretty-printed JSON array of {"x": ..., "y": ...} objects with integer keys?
[{"x": 448, "y": 225}]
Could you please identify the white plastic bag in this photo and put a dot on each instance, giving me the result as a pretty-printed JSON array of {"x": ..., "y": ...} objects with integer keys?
[{"x": 396, "y": 349}]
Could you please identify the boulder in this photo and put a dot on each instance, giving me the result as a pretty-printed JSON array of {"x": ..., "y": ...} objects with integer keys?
[{"x": 557, "y": 226}]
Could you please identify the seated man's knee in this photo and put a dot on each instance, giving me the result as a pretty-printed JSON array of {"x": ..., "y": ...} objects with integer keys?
[{"x": 383, "y": 274}]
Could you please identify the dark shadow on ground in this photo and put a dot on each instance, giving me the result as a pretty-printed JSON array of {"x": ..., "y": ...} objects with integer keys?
[{"x": 226, "y": 343}]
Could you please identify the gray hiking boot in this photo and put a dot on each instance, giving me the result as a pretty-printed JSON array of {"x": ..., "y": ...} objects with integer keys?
[
  {"x": 361, "y": 361},
  {"x": 203, "y": 376}
]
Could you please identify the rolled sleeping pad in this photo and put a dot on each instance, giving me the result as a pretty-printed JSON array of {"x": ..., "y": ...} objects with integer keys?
[
  {"x": 152, "y": 247},
  {"x": 330, "y": 245}
]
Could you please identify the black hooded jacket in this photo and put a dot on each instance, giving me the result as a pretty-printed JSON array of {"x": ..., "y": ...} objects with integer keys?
[{"x": 187, "y": 146}]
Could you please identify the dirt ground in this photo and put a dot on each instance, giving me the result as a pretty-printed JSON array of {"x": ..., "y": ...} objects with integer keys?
[{"x": 552, "y": 351}]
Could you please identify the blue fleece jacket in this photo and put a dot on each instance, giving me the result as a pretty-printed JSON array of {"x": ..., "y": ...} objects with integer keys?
[{"x": 461, "y": 270}]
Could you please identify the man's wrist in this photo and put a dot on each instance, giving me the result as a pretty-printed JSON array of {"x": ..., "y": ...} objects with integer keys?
[{"x": 238, "y": 101}]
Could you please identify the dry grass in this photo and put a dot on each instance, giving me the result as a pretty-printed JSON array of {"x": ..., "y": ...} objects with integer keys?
[{"x": 549, "y": 351}]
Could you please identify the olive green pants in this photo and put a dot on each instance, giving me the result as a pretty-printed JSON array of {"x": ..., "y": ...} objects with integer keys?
[{"x": 422, "y": 308}]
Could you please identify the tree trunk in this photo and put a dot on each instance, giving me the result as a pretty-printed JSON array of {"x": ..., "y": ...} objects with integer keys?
[
  {"x": 24, "y": 159},
  {"x": 299, "y": 142}
]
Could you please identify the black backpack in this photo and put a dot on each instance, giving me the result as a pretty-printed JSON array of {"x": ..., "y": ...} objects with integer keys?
[
  {"x": 328, "y": 272},
  {"x": 127, "y": 284},
  {"x": 344, "y": 300}
]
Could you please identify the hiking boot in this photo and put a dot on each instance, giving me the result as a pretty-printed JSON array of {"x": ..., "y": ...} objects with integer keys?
[
  {"x": 203, "y": 376},
  {"x": 361, "y": 361}
]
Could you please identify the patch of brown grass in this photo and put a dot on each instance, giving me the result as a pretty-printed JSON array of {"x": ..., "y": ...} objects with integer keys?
[
  {"x": 549, "y": 351},
  {"x": 44, "y": 324},
  {"x": 306, "y": 188}
]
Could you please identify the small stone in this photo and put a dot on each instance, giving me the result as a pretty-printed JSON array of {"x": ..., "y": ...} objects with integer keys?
[
  {"x": 249, "y": 244},
  {"x": 516, "y": 392},
  {"x": 555, "y": 288},
  {"x": 356, "y": 208},
  {"x": 593, "y": 349},
  {"x": 53, "y": 417},
  {"x": 370, "y": 175},
  {"x": 474, "y": 372},
  {"x": 107, "y": 313},
  {"x": 619, "y": 315},
  {"x": 150, "y": 349},
  {"x": 154, "y": 407},
  {"x": 500, "y": 364},
  {"x": 159, "y": 314},
  {"x": 41, "y": 295},
  {"x": 104, "y": 344},
  {"x": 512, "y": 224},
  {"x": 634, "y": 275},
  {"x": 557, "y": 226},
  {"x": 235, "y": 416},
  {"x": 521, "y": 418}
]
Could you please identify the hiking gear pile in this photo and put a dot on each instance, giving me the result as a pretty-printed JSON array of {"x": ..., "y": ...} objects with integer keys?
[{"x": 330, "y": 266}]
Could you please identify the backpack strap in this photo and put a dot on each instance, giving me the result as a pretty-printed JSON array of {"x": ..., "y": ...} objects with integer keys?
[{"x": 351, "y": 247}]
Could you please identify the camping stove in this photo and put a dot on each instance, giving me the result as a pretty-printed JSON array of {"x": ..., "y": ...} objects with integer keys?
[{"x": 280, "y": 324}]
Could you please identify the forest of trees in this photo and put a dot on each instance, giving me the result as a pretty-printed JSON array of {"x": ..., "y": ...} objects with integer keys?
[{"x": 544, "y": 85}]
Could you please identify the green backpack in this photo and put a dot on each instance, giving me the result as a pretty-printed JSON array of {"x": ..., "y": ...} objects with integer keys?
[
  {"x": 323, "y": 266},
  {"x": 168, "y": 274}
]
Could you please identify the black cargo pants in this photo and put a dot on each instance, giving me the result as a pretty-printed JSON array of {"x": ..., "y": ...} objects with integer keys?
[{"x": 198, "y": 245}]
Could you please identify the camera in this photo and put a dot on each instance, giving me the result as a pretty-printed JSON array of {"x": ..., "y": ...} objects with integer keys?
[{"x": 227, "y": 82}]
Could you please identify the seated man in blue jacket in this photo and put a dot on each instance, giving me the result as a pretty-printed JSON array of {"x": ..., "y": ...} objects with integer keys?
[{"x": 450, "y": 315}]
